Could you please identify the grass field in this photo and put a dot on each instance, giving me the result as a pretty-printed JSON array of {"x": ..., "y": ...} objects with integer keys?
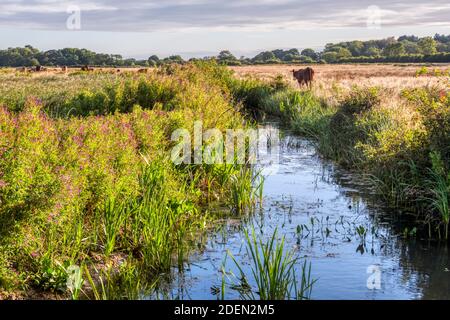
[{"x": 345, "y": 76}]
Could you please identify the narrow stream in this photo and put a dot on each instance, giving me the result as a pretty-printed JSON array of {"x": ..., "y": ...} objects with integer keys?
[{"x": 319, "y": 208}]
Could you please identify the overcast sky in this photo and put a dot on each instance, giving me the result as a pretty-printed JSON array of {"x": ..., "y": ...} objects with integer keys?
[{"x": 203, "y": 27}]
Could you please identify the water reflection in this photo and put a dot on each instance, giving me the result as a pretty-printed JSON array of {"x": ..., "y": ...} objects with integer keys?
[{"x": 330, "y": 217}]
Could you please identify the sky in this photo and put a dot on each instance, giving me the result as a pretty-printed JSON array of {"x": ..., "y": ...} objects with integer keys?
[{"x": 197, "y": 28}]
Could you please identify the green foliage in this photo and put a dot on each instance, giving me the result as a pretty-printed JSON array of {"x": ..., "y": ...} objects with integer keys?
[
  {"x": 394, "y": 49},
  {"x": 403, "y": 49},
  {"x": 98, "y": 189},
  {"x": 427, "y": 45},
  {"x": 50, "y": 276}
]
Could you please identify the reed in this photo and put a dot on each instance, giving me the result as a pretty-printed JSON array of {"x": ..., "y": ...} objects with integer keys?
[{"x": 273, "y": 270}]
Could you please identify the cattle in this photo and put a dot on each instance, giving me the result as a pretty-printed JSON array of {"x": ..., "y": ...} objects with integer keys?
[
  {"x": 144, "y": 70},
  {"x": 64, "y": 69},
  {"x": 304, "y": 76},
  {"x": 38, "y": 69},
  {"x": 86, "y": 68}
]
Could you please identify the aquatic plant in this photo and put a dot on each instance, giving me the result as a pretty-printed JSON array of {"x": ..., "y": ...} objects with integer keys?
[
  {"x": 440, "y": 190},
  {"x": 273, "y": 269}
]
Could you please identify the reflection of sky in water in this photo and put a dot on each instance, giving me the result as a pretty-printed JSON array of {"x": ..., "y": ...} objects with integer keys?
[{"x": 299, "y": 191}]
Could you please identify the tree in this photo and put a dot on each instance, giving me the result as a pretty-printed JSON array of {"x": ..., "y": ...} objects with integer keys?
[
  {"x": 373, "y": 51},
  {"x": 343, "y": 53},
  {"x": 305, "y": 59},
  {"x": 442, "y": 38},
  {"x": 427, "y": 45},
  {"x": 408, "y": 38},
  {"x": 34, "y": 62},
  {"x": 226, "y": 55},
  {"x": 153, "y": 61},
  {"x": 308, "y": 52},
  {"x": 356, "y": 48},
  {"x": 265, "y": 56},
  {"x": 410, "y": 47},
  {"x": 330, "y": 57},
  {"x": 394, "y": 50},
  {"x": 174, "y": 59}
]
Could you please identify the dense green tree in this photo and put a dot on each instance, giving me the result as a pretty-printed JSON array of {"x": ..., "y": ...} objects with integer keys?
[
  {"x": 153, "y": 61},
  {"x": 330, "y": 57},
  {"x": 226, "y": 55},
  {"x": 373, "y": 51},
  {"x": 442, "y": 38},
  {"x": 408, "y": 38},
  {"x": 394, "y": 49},
  {"x": 427, "y": 45},
  {"x": 343, "y": 53},
  {"x": 410, "y": 47},
  {"x": 308, "y": 52},
  {"x": 356, "y": 48},
  {"x": 265, "y": 56}
]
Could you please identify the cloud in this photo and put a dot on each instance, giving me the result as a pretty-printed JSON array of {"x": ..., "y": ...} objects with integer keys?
[{"x": 245, "y": 15}]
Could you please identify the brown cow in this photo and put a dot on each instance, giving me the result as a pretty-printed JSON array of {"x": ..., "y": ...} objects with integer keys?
[
  {"x": 64, "y": 68},
  {"x": 143, "y": 70},
  {"x": 304, "y": 76}
]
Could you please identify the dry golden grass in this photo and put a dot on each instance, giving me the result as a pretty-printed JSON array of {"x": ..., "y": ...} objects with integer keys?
[
  {"x": 342, "y": 71},
  {"x": 333, "y": 80}
]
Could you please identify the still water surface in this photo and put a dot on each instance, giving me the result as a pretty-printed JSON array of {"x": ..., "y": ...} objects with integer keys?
[{"x": 331, "y": 205}]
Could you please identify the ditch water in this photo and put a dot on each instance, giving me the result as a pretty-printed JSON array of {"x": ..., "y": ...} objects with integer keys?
[{"x": 329, "y": 217}]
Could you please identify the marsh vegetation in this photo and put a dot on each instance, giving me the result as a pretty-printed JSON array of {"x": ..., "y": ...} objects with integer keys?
[{"x": 91, "y": 206}]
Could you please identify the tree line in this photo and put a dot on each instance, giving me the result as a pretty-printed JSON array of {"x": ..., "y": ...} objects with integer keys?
[{"x": 401, "y": 49}]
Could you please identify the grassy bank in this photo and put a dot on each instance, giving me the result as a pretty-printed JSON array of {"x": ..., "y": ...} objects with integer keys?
[
  {"x": 90, "y": 202},
  {"x": 399, "y": 138}
]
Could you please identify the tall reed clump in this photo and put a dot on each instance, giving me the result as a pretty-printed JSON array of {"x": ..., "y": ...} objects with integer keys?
[
  {"x": 246, "y": 190},
  {"x": 439, "y": 184},
  {"x": 273, "y": 271},
  {"x": 99, "y": 191}
]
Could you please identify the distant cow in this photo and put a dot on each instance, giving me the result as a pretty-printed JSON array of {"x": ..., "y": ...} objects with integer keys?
[
  {"x": 304, "y": 76},
  {"x": 64, "y": 69},
  {"x": 87, "y": 68},
  {"x": 144, "y": 70},
  {"x": 39, "y": 69}
]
